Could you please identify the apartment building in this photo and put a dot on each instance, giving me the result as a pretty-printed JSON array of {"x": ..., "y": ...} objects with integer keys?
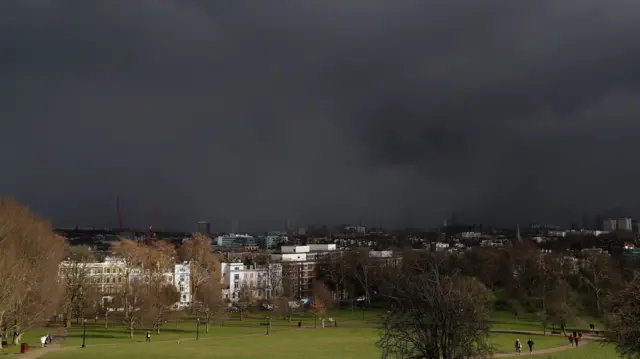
[
  {"x": 109, "y": 278},
  {"x": 264, "y": 281},
  {"x": 625, "y": 224},
  {"x": 181, "y": 278},
  {"x": 299, "y": 266}
]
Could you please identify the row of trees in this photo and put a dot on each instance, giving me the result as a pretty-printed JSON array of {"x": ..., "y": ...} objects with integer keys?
[
  {"x": 42, "y": 277},
  {"x": 145, "y": 293},
  {"x": 554, "y": 284},
  {"x": 29, "y": 287},
  {"x": 439, "y": 304}
]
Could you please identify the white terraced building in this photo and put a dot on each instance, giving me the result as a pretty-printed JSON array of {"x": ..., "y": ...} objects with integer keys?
[
  {"x": 265, "y": 281},
  {"x": 108, "y": 276}
]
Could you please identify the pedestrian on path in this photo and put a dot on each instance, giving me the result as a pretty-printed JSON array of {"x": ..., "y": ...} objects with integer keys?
[
  {"x": 571, "y": 339},
  {"x": 530, "y": 344},
  {"x": 148, "y": 336},
  {"x": 518, "y": 346},
  {"x": 576, "y": 339},
  {"x": 43, "y": 340}
]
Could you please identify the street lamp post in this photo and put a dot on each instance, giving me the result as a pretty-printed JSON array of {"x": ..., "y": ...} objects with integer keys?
[
  {"x": 198, "y": 329},
  {"x": 268, "y": 324},
  {"x": 84, "y": 333}
]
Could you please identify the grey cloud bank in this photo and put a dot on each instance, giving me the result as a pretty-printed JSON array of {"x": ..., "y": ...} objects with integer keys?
[{"x": 393, "y": 112}]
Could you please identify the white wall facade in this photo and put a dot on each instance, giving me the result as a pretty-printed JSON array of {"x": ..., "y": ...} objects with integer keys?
[{"x": 263, "y": 281}]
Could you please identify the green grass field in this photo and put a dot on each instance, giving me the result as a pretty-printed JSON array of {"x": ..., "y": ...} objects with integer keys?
[
  {"x": 346, "y": 343},
  {"x": 31, "y": 337},
  {"x": 353, "y": 338}
]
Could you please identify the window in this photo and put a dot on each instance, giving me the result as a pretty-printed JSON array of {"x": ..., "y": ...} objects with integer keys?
[
  {"x": 108, "y": 270},
  {"x": 108, "y": 280},
  {"x": 236, "y": 276},
  {"x": 184, "y": 298}
]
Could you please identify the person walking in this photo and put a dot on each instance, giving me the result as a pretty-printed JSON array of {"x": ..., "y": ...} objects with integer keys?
[
  {"x": 571, "y": 339},
  {"x": 518, "y": 346},
  {"x": 576, "y": 340},
  {"x": 530, "y": 344},
  {"x": 148, "y": 336},
  {"x": 43, "y": 340}
]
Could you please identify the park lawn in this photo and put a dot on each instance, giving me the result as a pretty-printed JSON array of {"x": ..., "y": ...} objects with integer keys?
[
  {"x": 31, "y": 337},
  {"x": 344, "y": 343},
  {"x": 528, "y": 321},
  {"x": 308, "y": 343},
  {"x": 97, "y": 334}
]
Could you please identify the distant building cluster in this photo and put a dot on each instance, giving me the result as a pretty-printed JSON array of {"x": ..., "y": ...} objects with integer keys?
[
  {"x": 290, "y": 258},
  {"x": 620, "y": 224}
]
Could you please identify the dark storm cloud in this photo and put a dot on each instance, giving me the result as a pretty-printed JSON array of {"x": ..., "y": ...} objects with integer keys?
[{"x": 385, "y": 111}]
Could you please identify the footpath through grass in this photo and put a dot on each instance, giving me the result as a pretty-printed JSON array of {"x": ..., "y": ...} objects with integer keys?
[
  {"x": 589, "y": 351},
  {"x": 31, "y": 337}
]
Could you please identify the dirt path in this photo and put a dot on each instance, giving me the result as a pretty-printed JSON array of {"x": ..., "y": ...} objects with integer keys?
[
  {"x": 59, "y": 335},
  {"x": 541, "y": 351}
]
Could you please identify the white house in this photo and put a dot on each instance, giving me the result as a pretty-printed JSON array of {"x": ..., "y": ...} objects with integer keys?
[
  {"x": 264, "y": 281},
  {"x": 109, "y": 276},
  {"x": 181, "y": 279}
]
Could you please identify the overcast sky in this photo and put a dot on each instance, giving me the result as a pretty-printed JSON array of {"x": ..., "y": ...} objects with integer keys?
[{"x": 395, "y": 112}]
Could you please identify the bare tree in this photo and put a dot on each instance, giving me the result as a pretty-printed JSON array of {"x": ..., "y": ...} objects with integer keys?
[
  {"x": 75, "y": 273},
  {"x": 133, "y": 256},
  {"x": 205, "y": 265},
  {"x": 210, "y": 303},
  {"x": 623, "y": 319},
  {"x": 362, "y": 267},
  {"x": 281, "y": 307},
  {"x": 30, "y": 291},
  {"x": 542, "y": 275},
  {"x": 598, "y": 273},
  {"x": 435, "y": 316},
  {"x": 110, "y": 304},
  {"x": 562, "y": 304},
  {"x": 321, "y": 300},
  {"x": 163, "y": 296},
  {"x": 334, "y": 269},
  {"x": 246, "y": 300},
  {"x": 137, "y": 296}
]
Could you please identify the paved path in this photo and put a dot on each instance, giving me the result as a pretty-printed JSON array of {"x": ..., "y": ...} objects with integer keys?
[
  {"x": 59, "y": 336},
  {"x": 588, "y": 335},
  {"x": 541, "y": 351}
]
